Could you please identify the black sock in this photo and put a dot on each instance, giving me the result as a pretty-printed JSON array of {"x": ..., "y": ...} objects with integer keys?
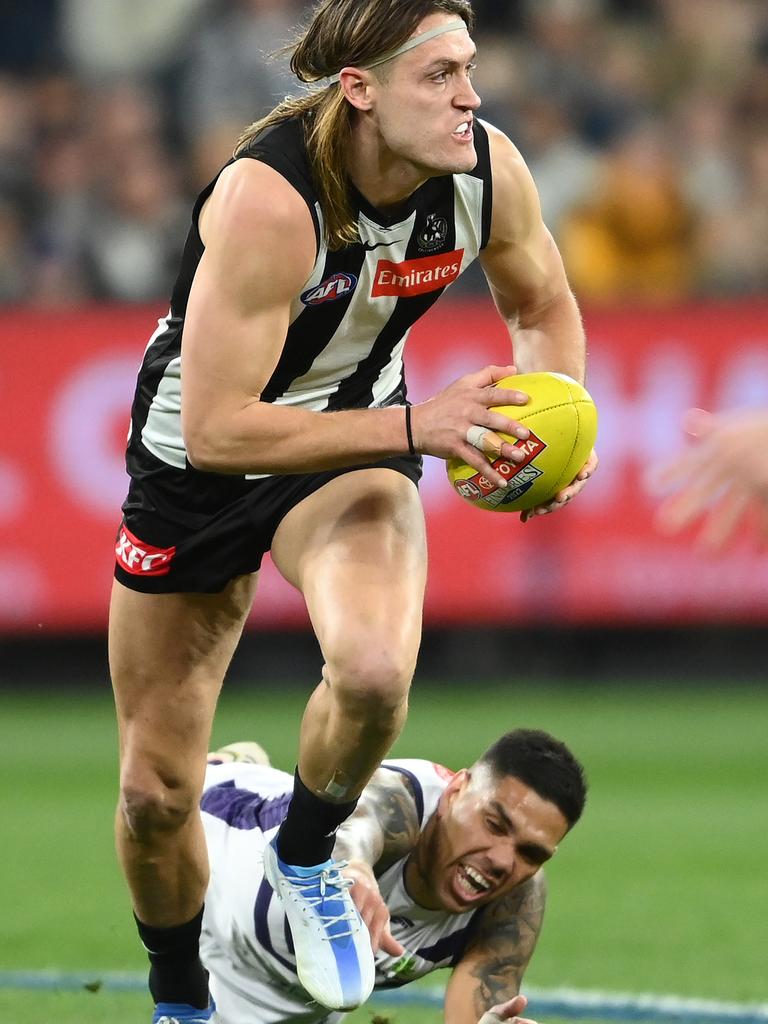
[
  {"x": 176, "y": 974},
  {"x": 307, "y": 834}
]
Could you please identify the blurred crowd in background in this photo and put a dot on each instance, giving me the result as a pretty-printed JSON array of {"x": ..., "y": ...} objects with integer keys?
[{"x": 644, "y": 122}]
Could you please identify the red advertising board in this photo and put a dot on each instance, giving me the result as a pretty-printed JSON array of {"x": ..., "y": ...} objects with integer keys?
[{"x": 66, "y": 381}]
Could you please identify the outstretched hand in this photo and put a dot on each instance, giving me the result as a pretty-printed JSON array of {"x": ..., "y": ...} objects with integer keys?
[
  {"x": 509, "y": 1011},
  {"x": 721, "y": 480},
  {"x": 371, "y": 907}
]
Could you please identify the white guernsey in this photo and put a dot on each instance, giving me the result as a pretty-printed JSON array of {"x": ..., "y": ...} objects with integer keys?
[{"x": 452, "y": 858}]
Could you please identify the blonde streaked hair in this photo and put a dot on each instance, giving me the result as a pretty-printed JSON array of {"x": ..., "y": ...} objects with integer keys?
[{"x": 342, "y": 33}]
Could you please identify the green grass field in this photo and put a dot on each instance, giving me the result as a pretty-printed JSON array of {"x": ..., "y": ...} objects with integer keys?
[{"x": 662, "y": 888}]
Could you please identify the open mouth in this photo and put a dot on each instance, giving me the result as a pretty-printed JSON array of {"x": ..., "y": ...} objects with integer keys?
[
  {"x": 471, "y": 883},
  {"x": 464, "y": 131}
]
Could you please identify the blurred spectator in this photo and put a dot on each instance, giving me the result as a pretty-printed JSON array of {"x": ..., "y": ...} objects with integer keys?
[
  {"x": 633, "y": 239},
  {"x": 231, "y": 78},
  {"x": 733, "y": 242},
  {"x": 569, "y": 64},
  {"x": 563, "y": 166},
  {"x": 120, "y": 38},
  {"x": 136, "y": 228},
  {"x": 711, "y": 170},
  {"x": 16, "y": 138},
  {"x": 707, "y": 43},
  {"x": 64, "y": 183},
  {"x": 15, "y": 259}
]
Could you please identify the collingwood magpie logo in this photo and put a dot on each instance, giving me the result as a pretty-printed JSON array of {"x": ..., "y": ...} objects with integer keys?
[{"x": 434, "y": 233}]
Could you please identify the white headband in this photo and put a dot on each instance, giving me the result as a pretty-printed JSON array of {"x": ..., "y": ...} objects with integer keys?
[{"x": 451, "y": 26}]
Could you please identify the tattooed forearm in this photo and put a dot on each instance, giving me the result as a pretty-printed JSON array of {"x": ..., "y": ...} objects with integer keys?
[
  {"x": 504, "y": 942},
  {"x": 499, "y": 979}
]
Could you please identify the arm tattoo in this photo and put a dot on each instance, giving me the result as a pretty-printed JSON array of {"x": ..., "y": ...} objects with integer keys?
[
  {"x": 504, "y": 942},
  {"x": 384, "y": 826}
]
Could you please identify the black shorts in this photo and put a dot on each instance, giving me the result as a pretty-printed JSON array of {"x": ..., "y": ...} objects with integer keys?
[{"x": 184, "y": 552}]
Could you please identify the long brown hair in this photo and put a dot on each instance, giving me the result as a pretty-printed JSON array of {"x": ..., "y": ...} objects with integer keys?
[{"x": 342, "y": 33}]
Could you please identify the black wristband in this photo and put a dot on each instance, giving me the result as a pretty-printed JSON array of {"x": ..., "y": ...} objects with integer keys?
[{"x": 408, "y": 432}]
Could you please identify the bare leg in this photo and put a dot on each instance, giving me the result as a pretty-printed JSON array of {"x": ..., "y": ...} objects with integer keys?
[
  {"x": 168, "y": 656},
  {"x": 356, "y": 549}
]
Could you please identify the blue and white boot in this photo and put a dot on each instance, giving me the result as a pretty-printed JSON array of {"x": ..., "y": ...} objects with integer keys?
[
  {"x": 182, "y": 1013},
  {"x": 334, "y": 959}
]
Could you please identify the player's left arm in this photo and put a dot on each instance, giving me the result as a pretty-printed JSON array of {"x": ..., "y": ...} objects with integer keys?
[
  {"x": 527, "y": 280},
  {"x": 383, "y": 828},
  {"x": 492, "y": 967}
]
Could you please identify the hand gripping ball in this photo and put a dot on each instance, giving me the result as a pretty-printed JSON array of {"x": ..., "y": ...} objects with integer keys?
[{"x": 562, "y": 419}]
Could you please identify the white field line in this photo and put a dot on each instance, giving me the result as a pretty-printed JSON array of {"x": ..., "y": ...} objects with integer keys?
[{"x": 562, "y": 1002}]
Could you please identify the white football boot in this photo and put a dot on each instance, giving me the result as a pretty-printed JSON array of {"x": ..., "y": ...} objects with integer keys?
[{"x": 334, "y": 959}]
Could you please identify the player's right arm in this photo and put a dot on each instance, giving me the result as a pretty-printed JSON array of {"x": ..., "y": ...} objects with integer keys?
[{"x": 259, "y": 251}]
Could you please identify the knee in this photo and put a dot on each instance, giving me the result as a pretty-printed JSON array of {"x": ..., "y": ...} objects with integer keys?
[
  {"x": 151, "y": 805},
  {"x": 372, "y": 678}
]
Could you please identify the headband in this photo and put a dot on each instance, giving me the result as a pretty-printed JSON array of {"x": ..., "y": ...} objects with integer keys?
[{"x": 423, "y": 37}]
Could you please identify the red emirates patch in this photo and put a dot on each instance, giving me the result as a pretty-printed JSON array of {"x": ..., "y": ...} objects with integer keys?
[
  {"x": 141, "y": 559},
  {"x": 418, "y": 276}
]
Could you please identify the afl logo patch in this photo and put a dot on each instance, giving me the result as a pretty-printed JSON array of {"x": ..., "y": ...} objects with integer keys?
[{"x": 334, "y": 287}]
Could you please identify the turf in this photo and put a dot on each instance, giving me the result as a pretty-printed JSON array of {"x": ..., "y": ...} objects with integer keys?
[
  {"x": 128, "y": 1008},
  {"x": 660, "y": 888}
]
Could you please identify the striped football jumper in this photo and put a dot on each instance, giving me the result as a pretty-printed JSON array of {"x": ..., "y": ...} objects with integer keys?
[{"x": 348, "y": 324}]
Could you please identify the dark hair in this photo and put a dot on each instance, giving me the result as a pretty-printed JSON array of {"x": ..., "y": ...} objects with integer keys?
[{"x": 543, "y": 763}]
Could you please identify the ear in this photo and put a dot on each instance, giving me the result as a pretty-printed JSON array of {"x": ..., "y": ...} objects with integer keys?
[
  {"x": 356, "y": 86},
  {"x": 457, "y": 785}
]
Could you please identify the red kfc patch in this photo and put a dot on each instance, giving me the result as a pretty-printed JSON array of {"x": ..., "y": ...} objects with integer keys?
[{"x": 139, "y": 558}]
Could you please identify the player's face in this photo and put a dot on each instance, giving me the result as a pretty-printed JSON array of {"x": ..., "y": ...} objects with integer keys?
[
  {"x": 424, "y": 106},
  {"x": 491, "y": 835}
]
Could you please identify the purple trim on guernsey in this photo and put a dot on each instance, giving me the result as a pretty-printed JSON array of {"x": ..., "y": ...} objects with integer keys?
[
  {"x": 418, "y": 793},
  {"x": 452, "y": 945},
  {"x": 289, "y": 938},
  {"x": 240, "y": 808},
  {"x": 261, "y": 924}
]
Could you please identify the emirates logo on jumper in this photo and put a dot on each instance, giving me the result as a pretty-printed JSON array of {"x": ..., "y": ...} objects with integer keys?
[
  {"x": 142, "y": 559},
  {"x": 418, "y": 276}
]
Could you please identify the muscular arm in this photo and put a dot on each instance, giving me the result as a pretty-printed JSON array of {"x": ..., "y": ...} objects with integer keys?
[
  {"x": 493, "y": 965},
  {"x": 525, "y": 272},
  {"x": 259, "y": 251}
]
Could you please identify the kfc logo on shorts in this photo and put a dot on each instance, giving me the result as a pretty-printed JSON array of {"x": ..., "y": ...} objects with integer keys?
[
  {"x": 334, "y": 287},
  {"x": 141, "y": 559},
  {"x": 417, "y": 276}
]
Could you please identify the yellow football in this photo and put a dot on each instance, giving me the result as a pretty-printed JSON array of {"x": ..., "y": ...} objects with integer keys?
[{"x": 562, "y": 419}]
